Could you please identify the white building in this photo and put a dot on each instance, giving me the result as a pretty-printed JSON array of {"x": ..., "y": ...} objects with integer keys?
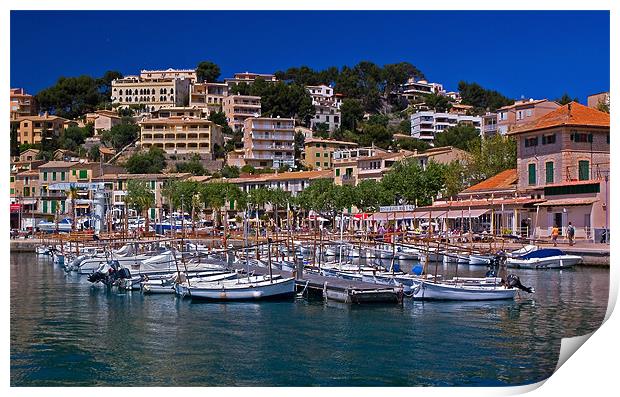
[
  {"x": 414, "y": 90},
  {"x": 169, "y": 73},
  {"x": 424, "y": 125},
  {"x": 150, "y": 94},
  {"x": 269, "y": 142},
  {"x": 327, "y": 106}
]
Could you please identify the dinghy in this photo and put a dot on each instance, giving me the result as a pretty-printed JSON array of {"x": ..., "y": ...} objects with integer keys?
[{"x": 243, "y": 288}]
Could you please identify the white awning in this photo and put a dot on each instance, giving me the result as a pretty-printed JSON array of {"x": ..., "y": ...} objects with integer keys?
[{"x": 456, "y": 214}]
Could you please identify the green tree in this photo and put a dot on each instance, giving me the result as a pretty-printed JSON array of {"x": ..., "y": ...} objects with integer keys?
[
  {"x": 248, "y": 169},
  {"x": 193, "y": 166},
  {"x": 151, "y": 162},
  {"x": 456, "y": 178},
  {"x": 396, "y": 74},
  {"x": 482, "y": 99},
  {"x": 566, "y": 99},
  {"x": 375, "y": 134},
  {"x": 603, "y": 106},
  {"x": 94, "y": 154},
  {"x": 121, "y": 135},
  {"x": 407, "y": 182},
  {"x": 370, "y": 194},
  {"x": 70, "y": 97},
  {"x": 15, "y": 148},
  {"x": 459, "y": 136},
  {"x": 439, "y": 103},
  {"x": 73, "y": 137},
  {"x": 104, "y": 84},
  {"x": 141, "y": 198},
  {"x": 230, "y": 171},
  {"x": 491, "y": 156},
  {"x": 412, "y": 144},
  {"x": 207, "y": 71},
  {"x": 351, "y": 113}
]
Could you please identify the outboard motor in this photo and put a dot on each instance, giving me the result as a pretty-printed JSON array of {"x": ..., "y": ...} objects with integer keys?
[
  {"x": 498, "y": 260},
  {"x": 512, "y": 281}
]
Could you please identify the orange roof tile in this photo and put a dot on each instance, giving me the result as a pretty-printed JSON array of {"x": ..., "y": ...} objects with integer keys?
[
  {"x": 504, "y": 180},
  {"x": 572, "y": 114}
]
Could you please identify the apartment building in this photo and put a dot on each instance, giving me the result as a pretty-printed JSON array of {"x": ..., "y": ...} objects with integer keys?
[
  {"x": 240, "y": 107},
  {"x": 522, "y": 112},
  {"x": 600, "y": 98},
  {"x": 326, "y": 105},
  {"x": 489, "y": 124},
  {"x": 269, "y": 142},
  {"x": 318, "y": 153},
  {"x": 22, "y": 104},
  {"x": 192, "y": 111},
  {"x": 30, "y": 129},
  {"x": 415, "y": 91},
  {"x": 345, "y": 163},
  {"x": 150, "y": 94},
  {"x": 248, "y": 77},
  {"x": 181, "y": 135},
  {"x": 440, "y": 155},
  {"x": 564, "y": 158},
  {"x": 426, "y": 124},
  {"x": 169, "y": 73},
  {"x": 208, "y": 95}
]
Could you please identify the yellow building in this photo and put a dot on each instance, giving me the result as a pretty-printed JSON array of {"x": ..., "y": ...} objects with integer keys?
[
  {"x": 240, "y": 107},
  {"x": 181, "y": 135},
  {"x": 318, "y": 153},
  {"x": 30, "y": 129}
]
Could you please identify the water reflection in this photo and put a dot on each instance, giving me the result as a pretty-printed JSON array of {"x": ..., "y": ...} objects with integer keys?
[{"x": 66, "y": 332}]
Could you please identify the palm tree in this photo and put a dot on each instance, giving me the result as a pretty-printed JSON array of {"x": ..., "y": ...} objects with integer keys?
[
  {"x": 72, "y": 195},
  {"x": 141, "y": 197}
]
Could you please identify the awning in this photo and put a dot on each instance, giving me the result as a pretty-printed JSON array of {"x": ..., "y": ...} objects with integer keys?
[
  {"x": 567, "y": 202},
  {"x": 465, "y": 213},
  {"x": 82, "y": 206}
]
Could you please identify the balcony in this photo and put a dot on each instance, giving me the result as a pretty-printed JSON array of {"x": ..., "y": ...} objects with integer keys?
[{"x": 348, "y": 180}]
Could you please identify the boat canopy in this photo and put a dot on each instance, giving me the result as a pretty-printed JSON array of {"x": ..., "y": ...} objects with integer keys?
[{"x": 543, "y": 253}]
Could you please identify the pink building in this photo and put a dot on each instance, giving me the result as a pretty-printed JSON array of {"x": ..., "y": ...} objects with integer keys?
[{"x": 522, "y": 112}]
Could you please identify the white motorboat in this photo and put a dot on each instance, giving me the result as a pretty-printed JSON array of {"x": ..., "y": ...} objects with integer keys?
[
  {"x": 548, "y": 258},
  {"x": 243, "y": 288},
  {"x": 480, "y": 259},
  {"x": 180, "y": 287},
  {"x": 455, "y": 258},
  {"x": 522, "y": 251},
  {"x": 62, "y": 226}
]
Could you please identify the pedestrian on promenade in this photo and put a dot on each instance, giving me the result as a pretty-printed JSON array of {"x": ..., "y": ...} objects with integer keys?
[
  {"x": 570, "y": 232},
  {"x": 555, "y": 232}
]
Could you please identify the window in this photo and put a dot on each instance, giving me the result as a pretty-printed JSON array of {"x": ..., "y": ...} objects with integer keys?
[
  {"x": 318, "y": 145},
  {"x": 54, "y": 175},
  {"x": 73, "y": 172},
  {"x": 326, "y": 154},
  {"x": 325, "y": 164},
  {"x": 318, "y": 154},
  {"x": 528, "y": 113},
  {"x": 12, "y": 179},
  {"x": 83, "y": 174},
  {"x": 531, "y": 174},
  {"x": 548, "y": 139},
  {"x": 337, "y": 171},
  {"x": 62, "y": 176},
  {"x": 44, "y": 206},
  {"x": 12, "y": 191},
  {"x": 584, "y": 170},
  {"x": 45, "y": 176},
  {"x": 318, "y": 163},
  {"x": 580, "y": 137},
  {"x": 531, "y": 141},
  {"x": 549, "y": 172}
]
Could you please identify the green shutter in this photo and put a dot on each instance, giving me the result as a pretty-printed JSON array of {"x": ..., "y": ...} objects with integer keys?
[
  {"x": 62, "y": 207},
  {"x": 62, "y": 176},
  {"x": 337, "y": 171},
  {"x": 45, "y": 176},
  {"x": 12, "y": 179},
  {"x": 152, "y": 213},
  {"x": 152, "y": 184},
  {"x": 549, "y": 172},
  {"x": 73, "y": 172},
  {"x": 53, "y": 206},
  {"x": 12, "y": 191},
  {"x": 54, "y": 175},
  {"x": 83, "y": 174},
  {"x": 44, "y": 206},
  {"x": 584, "y": 170},
  {"x": 232, "y": 204},
  {"x": 531, "y": 172}
]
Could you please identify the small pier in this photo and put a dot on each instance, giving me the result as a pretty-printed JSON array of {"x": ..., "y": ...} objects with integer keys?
[{"x": 336, "y": 289}]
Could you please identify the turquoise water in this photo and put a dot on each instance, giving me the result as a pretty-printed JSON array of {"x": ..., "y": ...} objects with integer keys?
[{"x": 65, "y": 332}]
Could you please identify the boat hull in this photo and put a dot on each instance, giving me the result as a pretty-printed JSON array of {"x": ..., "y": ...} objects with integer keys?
[
  {"x": 555, "y": 262},
  {"x": 236, "y": 292},
  {"x": 431, "y": 291}
]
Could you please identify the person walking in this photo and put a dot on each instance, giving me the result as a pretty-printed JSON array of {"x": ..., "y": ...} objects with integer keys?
[
  {"x": 570, "y": 232},
  {"x": 555, "y": 232}
]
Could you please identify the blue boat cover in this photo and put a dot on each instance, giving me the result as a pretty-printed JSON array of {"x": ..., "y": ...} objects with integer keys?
[{"x": 543, "y": 253}]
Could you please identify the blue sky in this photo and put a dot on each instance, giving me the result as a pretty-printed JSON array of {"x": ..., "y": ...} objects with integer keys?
[{"x": 519, "y": 53}]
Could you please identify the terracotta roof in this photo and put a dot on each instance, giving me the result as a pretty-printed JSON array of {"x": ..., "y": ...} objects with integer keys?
[
  {"x": 42, "y": 118},
  {"x": 283, "y": 176},
  {"x": 29, "y": 173},
  {"x": 59, "y": 164},
  {"x": 504, "y": 180},
  {"x": 319, "y": 140},
  {"x": 106, "y": 150},
  {"x": 525, "y": 103},
  {"x": 112, "y": 176},
  {"x": 176, "y": 120},
  {"x": 572, "y": 114},
  {"x": 567, "y": 202}
]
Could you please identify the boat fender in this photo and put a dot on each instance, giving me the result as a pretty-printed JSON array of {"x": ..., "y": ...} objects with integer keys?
[{"x": 417, "y": 270}]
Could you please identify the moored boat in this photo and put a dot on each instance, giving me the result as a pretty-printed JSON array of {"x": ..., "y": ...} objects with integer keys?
[
  {"x": 548, "y": 258},
  {"x": 244, "y": 288}
]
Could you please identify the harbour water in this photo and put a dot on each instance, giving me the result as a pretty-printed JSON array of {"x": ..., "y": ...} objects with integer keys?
[{"x": 66, "y": 332}]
